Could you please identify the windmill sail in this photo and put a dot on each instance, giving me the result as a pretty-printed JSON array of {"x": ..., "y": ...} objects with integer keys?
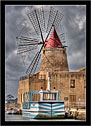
[
  {"x": 36, "y": 17},
  {"x": 27, "y": 43},
  {"x": 55, "y": 18}
]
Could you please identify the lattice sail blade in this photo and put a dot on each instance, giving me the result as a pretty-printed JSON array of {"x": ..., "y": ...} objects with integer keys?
[
  {"x": 55, "y": 18},
  {"x": 33, "y": 19},
  {"x": 33, "y": 66},
  {"x": 36, "y": 58},
  {"x": 37, "y": 62},
  {"x": 24, "y": 50},
  {"x": 27, "y": 44},
  {"x": 27, "y": 39},
  {"x": 41, "y": 18}
]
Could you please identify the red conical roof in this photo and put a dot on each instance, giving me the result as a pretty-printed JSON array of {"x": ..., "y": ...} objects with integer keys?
[{"x": 53, "y": 41}]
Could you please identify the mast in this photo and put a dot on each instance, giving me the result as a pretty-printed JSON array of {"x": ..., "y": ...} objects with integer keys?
[{"x": 48, "y": 83}]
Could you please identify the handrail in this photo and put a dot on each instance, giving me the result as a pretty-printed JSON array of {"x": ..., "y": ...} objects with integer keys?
[{"x": 75, "y": 105}]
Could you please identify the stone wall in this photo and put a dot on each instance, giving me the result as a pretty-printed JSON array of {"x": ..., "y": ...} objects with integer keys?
[
  {"x": 23, "y": 87},
  {"x": 54, "y": 65},
  {"x": 32, "y": 83},
  {"x": 54, "y": 59},
  {"x": 35, "y": 85},
  {"x": 62, "y": 82}
]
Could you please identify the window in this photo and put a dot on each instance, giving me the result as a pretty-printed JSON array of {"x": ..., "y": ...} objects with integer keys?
[
  {"x": 72, "y": 98},
  {"x": 66, "y": 98},
  {"x": 72, "y": 84},
  {"x": 63, "y": 52},
  {"x": 43, "y": 51},
  {"x": 72, "y": 75},
  {"x": 49, "y": 96}
]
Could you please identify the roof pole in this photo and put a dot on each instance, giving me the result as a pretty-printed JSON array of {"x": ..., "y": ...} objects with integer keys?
[{"x": 48, "y": 83}]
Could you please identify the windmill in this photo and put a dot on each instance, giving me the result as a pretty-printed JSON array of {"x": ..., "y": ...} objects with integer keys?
[{"x": 27, "y": 44}]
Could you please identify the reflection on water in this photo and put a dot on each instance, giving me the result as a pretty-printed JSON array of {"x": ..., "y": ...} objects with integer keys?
[
  {"x": 15, "y": 117},
  {"x": 21, "y": 118}
]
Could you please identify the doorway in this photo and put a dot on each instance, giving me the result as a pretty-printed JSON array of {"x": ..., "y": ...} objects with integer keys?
[{"x": 72, "y": 100}]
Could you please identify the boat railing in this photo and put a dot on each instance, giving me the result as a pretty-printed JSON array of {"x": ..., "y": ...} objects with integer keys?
[{"x": 75, "y": 105}]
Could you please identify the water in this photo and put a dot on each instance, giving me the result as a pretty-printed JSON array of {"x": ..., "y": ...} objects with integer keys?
[{"x": 21, "y": 118}]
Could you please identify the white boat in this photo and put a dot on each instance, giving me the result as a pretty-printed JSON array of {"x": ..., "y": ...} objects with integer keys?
[{"x": 49, "y": 105}]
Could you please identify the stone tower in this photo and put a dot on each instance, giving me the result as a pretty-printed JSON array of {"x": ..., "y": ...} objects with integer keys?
[{"x": 54, "y": 57}]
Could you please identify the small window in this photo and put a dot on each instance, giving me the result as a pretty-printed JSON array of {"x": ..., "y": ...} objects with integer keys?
[
  {"x": 49, "y": 96},
  {"x": 72, "y": 98},
  {"x": 66, "y": 98},
  {"x": 63, "y": 52},
  {"x": 43, "y": 51},
  {"x": 72, "y": 75},
  {"x": 72, "y": 84}
]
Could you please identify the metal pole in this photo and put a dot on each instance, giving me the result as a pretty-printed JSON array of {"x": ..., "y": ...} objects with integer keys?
[{"x": 48, "y": 83}]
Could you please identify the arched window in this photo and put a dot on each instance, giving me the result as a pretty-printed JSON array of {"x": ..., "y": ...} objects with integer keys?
[{"x": 72, "y": 83}]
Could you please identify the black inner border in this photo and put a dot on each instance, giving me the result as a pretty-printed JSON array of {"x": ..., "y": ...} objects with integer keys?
[{"x": 3, "y": 3}]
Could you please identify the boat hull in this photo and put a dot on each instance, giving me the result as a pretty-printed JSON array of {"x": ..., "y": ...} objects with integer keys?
[{"x": 45, "y": 110}]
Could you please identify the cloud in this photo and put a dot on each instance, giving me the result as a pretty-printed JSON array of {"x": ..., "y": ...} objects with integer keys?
[{"x": 80, "y": 21}]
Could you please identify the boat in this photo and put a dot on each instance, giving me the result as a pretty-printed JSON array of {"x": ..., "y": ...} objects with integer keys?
[{"x": 49, "y": 105}]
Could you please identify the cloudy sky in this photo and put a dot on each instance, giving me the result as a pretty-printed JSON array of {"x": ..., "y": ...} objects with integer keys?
[{"x": 73, "y": 25}]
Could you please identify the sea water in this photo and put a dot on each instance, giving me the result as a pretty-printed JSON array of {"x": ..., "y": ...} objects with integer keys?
[{"x": 21, "y": 118}]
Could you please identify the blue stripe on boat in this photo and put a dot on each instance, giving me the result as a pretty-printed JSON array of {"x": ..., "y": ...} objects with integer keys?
[
  {"x": 60, "y": 113},
  {"x": 44, "y": 108},
  {"x": 45, "y": 105},
  {"x": 57, "y": 108},
  {"x": 57, "y": 105}
]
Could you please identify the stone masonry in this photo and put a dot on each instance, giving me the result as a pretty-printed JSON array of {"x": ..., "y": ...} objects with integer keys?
[{"x": 71, "y": 85}]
